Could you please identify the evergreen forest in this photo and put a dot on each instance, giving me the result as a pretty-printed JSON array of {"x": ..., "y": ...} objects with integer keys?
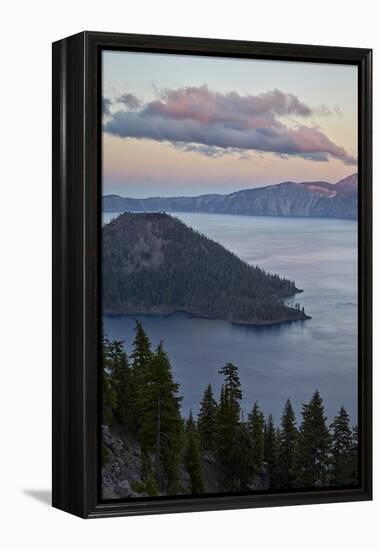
[
  {"x": 215, "y": 448},
  {"x": 155, "y": 264}
]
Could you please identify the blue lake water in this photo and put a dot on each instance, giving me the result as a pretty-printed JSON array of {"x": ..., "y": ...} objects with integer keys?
[{"x": 276, "y": 362}]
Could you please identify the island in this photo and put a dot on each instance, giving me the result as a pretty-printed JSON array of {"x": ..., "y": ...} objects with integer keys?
[{"x": 154, "y": 264}]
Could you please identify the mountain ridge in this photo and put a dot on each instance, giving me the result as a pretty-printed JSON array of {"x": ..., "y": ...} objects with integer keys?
[{"x": 288, "y": 198}]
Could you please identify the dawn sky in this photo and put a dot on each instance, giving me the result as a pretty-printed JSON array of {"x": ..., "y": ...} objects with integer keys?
[{"x": 187, "y": 125}]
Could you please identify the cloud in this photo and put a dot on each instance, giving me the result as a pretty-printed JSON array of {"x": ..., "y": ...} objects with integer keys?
[
  {"x": 201, "y": 120},
  {"x": 106, "y": 104},
  {"x": 210, "y": 107},
  {"x": 207, "y": 150},
  {"x": 129, "y": 100},
  {"x": 323, "y": 110}
]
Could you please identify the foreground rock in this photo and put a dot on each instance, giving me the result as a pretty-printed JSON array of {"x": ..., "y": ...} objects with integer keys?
[{"x": 121, "y": 474}]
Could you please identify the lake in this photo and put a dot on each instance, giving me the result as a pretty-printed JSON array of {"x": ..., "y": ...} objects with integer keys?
[{"x": 275, "y": 362}]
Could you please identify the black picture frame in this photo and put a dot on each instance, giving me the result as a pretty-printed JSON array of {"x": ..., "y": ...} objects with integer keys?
[{"x": 76, "y": 272}]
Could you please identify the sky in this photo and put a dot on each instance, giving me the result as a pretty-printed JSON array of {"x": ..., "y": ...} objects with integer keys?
[{"x": 189, "y": 125}]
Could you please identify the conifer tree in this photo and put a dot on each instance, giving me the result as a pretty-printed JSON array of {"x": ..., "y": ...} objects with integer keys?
[
  {"x": 108, "y": 398},
  {"x": 228, "y": 421},
  {"x": 161, "y": 425},
  {"x": 108, "y": 389},
  {"x": 354, "y": 455},
  {"x": 314, "y": 442},
  {"x": 141, "y": 354},
  {"x": 287, "y": 448},
  {"x": 121, "y": 378},
  {"x": 245, "y": 468},
  {"x": 141, "y": 363},
  {"x": 192, "y": 457},
  {"x": 233, "y": 388},
  {"x": 342, "y": 449},
  {"x": 114, "y": 353},
  {"x": 225, "y": 429},
  {"x": 270, "y": 449},
  {"x": 207, "y": 419},
  {"x": 256, "y": 426}
]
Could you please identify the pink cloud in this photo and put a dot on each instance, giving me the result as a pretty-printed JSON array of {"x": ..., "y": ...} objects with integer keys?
[{"x": 227, "y": 122}]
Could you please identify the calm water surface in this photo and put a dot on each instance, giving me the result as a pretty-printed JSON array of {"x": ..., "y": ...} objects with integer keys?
[{"x": 288, "y": 360}]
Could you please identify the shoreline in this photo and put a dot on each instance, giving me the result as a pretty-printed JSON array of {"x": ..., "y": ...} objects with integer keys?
[
  {"x": 170, "y": 312},
  {"x": 284, "y": 216}
]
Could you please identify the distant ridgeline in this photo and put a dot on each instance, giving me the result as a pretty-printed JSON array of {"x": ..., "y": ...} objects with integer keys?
[
  {"x": 155, "y": 264},
  {"x": 309, "y": 199}
]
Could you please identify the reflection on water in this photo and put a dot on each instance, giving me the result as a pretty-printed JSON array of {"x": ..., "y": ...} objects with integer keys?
[{"x": 280, "y": 361}]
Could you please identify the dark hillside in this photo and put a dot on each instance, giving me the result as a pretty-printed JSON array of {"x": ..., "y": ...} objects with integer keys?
[{"x": 155, "y": 264}]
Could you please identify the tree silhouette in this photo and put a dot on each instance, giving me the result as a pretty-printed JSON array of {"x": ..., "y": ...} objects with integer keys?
[{"x": 314, "y": 445}]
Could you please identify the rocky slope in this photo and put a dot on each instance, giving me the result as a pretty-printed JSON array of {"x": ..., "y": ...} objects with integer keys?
[
  {"x": 155, "y": 264},
  {"x": 309, "y": 199},
  {"x": 121, "y": 472}
]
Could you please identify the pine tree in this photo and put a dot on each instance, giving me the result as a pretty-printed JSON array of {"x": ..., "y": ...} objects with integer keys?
[
  {"x": 141, "y": 354},
  {"x": 233, "y": 388},
  {"x": 270, "y": 449},
  {"x": 313, "y": 446},
  {"x": 354, "y": 455},
  {"x": 108, "y": 398},
  {"x": 342, "y": 450},
  {"x": 245, "y": 467},
  {"x": 225, "y": 429},
  {"x": 192, "y": 457},
  {"x": 114, "y": 353},
  {"x": 108, "y": 389},
  {"x": 274, "y": 481},
  {"x": 207, "y": 419},
  {"x": 287, "y": 447},
  {"x": 140, "y": 371},
  {"x": 121, "y": 377},
  {"x": 256, "y": 427},
  {"x": 161, "y": 425},
  {"x": 228, "y": 421}
]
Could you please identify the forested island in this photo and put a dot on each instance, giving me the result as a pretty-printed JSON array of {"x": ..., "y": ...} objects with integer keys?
[
  {"x": 149, "y": 449},
  {"x": 155, "y": 264}
]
